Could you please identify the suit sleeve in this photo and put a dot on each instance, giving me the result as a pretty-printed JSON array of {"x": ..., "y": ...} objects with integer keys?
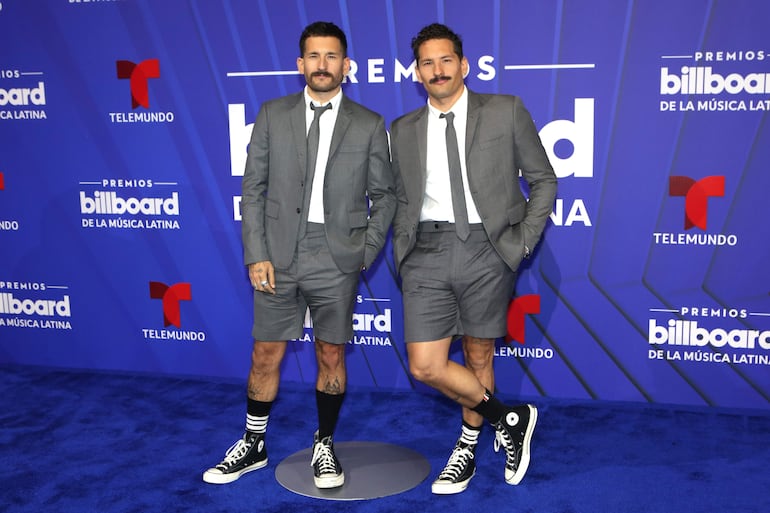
[
  {"x": 533, "y": 162},
  {"x": 380, "y": 190},
  {"x": 254, "y": 191},
  {"x": 400, "y": 219}
]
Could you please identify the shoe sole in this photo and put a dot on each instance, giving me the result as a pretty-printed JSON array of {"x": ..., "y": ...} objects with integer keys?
[
  {"x": 219, "y": 478},
  {"x": 524, "y": 463},
  {"x": 329, "y": 482},
  {"x": 450, "y": 488}
]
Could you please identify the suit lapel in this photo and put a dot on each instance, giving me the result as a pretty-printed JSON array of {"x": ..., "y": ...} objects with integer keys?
[
  {"x": 341, "y": 125},
  {"x": 420, "y": 134},
  {"x": 299, "y": 132},
  {"x": 474, "y": 107}
]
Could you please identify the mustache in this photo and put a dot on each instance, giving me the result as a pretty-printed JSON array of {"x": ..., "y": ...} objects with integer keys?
[
  {"x": 437, "y": 78},
  {"x": 321, "y": 74}
]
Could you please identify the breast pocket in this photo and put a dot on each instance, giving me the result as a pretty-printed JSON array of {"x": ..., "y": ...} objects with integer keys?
[
  {"x": 492, "y": 142},
  {"x": 348, "y": 154}
]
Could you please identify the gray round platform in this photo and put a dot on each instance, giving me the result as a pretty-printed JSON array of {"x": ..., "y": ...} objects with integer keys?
[{"x": 371, "y": 470}]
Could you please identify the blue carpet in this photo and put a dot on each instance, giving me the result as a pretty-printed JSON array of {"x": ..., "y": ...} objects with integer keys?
[{"x": 80, "y": 442}]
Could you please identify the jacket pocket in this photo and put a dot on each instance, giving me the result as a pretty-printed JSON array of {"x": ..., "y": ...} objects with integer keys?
[
  {"x": 271, "y": 208},
  {"x": 516, "y": 213},
  {"x": 358, "y": 219}
]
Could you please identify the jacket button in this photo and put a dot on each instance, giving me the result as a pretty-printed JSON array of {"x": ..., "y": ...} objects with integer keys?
[{"x": 299, "y": 210}]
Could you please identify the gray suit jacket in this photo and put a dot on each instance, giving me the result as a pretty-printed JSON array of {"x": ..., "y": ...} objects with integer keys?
[
  {"x": 358, "y": 170},
  {"x": 501, "y": 139}
]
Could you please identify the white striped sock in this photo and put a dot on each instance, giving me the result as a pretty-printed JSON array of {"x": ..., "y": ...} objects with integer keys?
[
  {"x": 256, "y": 424},
  {"x": 469, "y": 435}
]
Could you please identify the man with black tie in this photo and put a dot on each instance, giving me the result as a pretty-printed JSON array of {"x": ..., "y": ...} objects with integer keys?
[
  {"x": 462, "y": 228},
  {"x": 318, "y": 199}
]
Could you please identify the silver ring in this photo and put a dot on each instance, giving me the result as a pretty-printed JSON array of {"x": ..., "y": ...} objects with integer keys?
[{"x": 264, "y": 283}]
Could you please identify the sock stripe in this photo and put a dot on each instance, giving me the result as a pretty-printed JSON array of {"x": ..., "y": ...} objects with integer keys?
[
  {"x": 256, "y": 424},
  {"x": 470, "y": 435}
]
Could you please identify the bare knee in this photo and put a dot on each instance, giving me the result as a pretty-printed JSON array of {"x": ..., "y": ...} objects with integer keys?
[
  {"x": 425, "y": 371},
  {"x": 267, "y": 356},
  {"x": 478, "y": 353},
  {"x": 330, "y": 356},
  {"x": 428, "y": 360}
]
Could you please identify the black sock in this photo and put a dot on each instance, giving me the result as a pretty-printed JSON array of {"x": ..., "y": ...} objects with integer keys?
[
  {"x": 328, "y": 412},
  {"x": 490, "y": 408},
  {"x": 257, "y": 413}
]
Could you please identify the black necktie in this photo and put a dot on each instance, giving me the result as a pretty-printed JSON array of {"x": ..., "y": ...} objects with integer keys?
[
  {"x": 456, "y": 179},
  {"x": 313, "y": 135}
]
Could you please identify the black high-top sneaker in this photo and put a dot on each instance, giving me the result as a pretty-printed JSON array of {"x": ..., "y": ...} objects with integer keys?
[
  {"x": 245, "y": 455},
  {"x": 514, "y": 434},
  {"x": 458, "y": 471},
  {"x": 327, "y": 471}
]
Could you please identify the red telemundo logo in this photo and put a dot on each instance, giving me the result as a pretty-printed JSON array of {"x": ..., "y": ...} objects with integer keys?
[
  {"x": 138, "y": 74},
  {"x": 171, "y": 296},
  {"x": 517, "y": 309},
  {"x": 696, "y": 195}
]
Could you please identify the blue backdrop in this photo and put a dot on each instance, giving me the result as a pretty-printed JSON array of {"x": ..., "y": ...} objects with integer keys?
[{"x": 123, "y": 129}]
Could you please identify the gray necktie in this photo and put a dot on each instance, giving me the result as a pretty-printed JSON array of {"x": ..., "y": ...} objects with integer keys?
[
  {"x": 456, "y": 179},
  {"x": 313, "y": 135}
]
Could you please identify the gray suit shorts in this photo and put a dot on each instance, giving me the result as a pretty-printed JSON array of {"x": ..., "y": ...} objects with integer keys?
[
  {"x": 312, "y": 281},
  {"x": 453, "y": 288}
]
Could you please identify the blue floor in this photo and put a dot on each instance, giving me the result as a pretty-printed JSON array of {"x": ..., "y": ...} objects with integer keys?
[{"x": 94, "y": 442}]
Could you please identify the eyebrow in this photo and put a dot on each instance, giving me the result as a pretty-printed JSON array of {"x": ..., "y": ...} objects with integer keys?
[
  {"x": 318, "y": 52},
  {"x": 436, "y": 58}
]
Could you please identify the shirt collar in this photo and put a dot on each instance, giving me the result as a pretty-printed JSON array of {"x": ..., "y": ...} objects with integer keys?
[
  {"x": 460, "y": 107},
  {"x": 335, "y": 101}
]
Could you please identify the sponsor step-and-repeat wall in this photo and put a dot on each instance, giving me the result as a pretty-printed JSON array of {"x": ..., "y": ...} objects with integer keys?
[{"x": 123, "y": 134}]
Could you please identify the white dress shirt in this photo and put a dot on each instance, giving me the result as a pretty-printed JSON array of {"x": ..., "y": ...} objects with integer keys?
[
  {"x": 437, "y": 204},
  {"x": 325, "y": 130}
]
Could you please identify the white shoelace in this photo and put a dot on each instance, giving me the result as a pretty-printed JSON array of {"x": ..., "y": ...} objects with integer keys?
[
  {"x": 503, "y": 439},
  {"x": 235, "y": 452},
  {"x": 323, "y": 454},
  {"x": 457, "y": 461}
]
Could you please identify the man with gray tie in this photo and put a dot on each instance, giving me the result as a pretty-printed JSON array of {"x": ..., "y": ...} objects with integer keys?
[
  {"x": 318, "y": 199},
  {"x": 462, "y": 228}
]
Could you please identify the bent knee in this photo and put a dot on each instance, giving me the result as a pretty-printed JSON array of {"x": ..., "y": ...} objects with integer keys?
[
  {"x": 478, "y": 353},
  {"x": 478, "y": 362},
  {"x": 425, "y": 372}
]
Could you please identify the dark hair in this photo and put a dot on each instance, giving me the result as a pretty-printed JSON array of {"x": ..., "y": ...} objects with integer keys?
[
  {"x": 323, "y": 29},
  {"x": 436, "y": 31}
]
